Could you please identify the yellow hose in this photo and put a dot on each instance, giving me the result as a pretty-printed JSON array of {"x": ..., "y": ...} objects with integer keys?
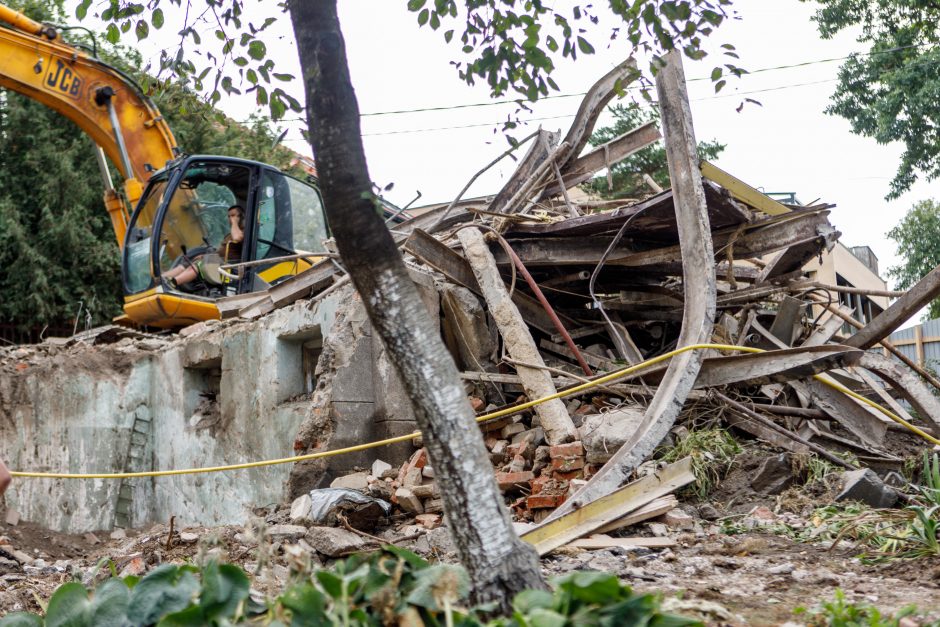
[{"x": 484, "y": 418}]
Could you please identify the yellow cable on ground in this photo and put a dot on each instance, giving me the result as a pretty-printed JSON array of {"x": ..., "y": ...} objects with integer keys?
[{"x": 484, "y": 418}]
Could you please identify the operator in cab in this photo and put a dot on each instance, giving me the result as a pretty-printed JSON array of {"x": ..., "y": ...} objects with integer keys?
[{"x": 230, "y": 251}]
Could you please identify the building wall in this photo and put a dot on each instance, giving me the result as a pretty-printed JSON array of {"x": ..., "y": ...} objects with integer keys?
[
  {"x": 226, "y": 393},
  {"x": 840, "y": 260}
]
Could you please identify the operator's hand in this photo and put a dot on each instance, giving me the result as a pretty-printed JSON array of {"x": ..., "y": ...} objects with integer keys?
[{"x": 5, "y": 477}]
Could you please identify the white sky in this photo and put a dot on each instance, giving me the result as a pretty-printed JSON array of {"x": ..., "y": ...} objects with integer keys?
[{"x": 786, "y": 145}]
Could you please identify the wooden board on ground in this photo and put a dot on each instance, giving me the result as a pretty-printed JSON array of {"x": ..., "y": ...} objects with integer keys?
[{"x": 606, "y": 542}]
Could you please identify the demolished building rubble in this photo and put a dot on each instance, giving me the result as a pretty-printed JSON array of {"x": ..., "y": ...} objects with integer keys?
[{"x": 537, "y": 293}]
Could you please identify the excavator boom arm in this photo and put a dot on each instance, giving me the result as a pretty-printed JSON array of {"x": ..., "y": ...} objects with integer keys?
[{"x": 106, "y": 104}]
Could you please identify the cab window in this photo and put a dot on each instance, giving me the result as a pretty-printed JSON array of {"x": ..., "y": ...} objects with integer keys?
[
  {"x": 139, "y": 237},
  {"x": 196, "y": 218},
  {"x": 290, "y": 218}
]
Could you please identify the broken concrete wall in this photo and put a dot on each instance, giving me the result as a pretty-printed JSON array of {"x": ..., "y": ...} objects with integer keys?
[{"x": 221, "y": 393}]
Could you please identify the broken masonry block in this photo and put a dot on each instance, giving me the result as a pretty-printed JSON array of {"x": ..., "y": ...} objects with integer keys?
[
  {"x": 866, "y": 486},
  {"x": 355, "y": 481},
  {"x": 511, "y": 480},
  {"x": 571, "y": 449},
  {"x": 335, "y": 542},
  {"x": 774, "y": 475},
  {"x": 544, "y": 501},
  {"x": 428, "y": 521},
  {"x": 300, "y": 509},
  {"x": 408, "y": 501},
  {"x": 379, "y": 467}
]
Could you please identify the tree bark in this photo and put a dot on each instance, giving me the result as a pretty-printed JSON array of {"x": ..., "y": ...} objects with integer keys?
[{"x": 498, "y": 562}]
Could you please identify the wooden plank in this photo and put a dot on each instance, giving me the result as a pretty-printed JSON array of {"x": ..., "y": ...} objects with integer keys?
[
  {"x": 580, "y": 522},
  {"x": 611, "y": 153},
  {"x": 452, "y": 265},
  {"x": 656, "y": 508},
  {"x": 824, "y": 332},
  {"x": 742, "y": 191},
  {"x": 762, "y": 432},
  {"x": 442, "y": 258},
  {"x": 758, "y": 238},
  {"x": 606, "y": 542},
  {"x": 905, "y": 383},
  {"x": 900, "y": 311},
  {"x": 229, "y": 306},
  {"x": 698, "y": 278},
  {"x": 592, "y": 105},
  {"x": 538, "y": 152},
  {"x": 537, "y": 383}
]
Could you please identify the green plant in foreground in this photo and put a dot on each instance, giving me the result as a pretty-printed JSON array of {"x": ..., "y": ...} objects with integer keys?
[
  {"x": 713, "y": 452},
  {"x": 840, "y": 613},
  {"x": 388, "y": 587}
]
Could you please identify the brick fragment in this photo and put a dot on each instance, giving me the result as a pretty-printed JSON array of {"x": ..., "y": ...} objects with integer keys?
[
  {"x": 567, "y": 464},
  {"x": 545, "y": 501},
  {"x": 572, "y": 449},
  {"x": 510, "y": 480},
  {"x": 408, "y": 501}
]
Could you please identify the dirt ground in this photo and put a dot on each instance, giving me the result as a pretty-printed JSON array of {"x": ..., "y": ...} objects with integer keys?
[{"x": 752, "y": 578}]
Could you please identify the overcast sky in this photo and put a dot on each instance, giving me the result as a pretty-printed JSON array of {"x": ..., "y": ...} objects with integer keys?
[{"x": 786, "y": 145}]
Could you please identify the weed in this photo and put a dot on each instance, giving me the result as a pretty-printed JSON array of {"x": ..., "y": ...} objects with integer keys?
[
  {"x": 911, "y": 532},
  {"x": 713, "y": 452},
  {"x": 840, "y": 613}
]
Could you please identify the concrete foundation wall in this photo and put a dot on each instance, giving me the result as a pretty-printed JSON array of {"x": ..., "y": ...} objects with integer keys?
[{"x": 225, "y": 393}]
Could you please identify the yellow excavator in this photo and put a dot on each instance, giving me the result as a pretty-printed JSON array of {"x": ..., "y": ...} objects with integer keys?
[{"x": 174, "y": 208}]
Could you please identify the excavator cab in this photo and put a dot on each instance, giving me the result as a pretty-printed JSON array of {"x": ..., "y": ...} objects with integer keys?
[{"x": 182, "y": 220}]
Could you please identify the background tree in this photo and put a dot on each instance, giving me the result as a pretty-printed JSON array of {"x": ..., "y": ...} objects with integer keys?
[
  {"x": 917, "y": 236},
  {"x": 57, "y": 246},
  {"x": 890, "y": 92},
  {"x": 626, "y": 177}
]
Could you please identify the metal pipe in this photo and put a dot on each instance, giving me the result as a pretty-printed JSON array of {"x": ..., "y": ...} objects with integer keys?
[
  {"x": 103, "y": 168},
  {"x": 119, "y": 138},
  {"x": 548, "y": 309}
]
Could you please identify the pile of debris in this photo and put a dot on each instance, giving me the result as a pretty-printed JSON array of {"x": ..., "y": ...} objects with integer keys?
[{"x": 540, "y": 292}]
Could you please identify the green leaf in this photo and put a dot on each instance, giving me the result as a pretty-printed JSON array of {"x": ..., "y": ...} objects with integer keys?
[
  {"x": 412, "y": 559},
  {"x": 190, "y": 617},
  {"x": 415, "y": 5},
  {"x": 423, "y": 17},
  {"x": 591, "y": 587},
  {"x": 306, "y": 602},
  {"x": 157, "y": 18},
  {"x": 21, "y": 619},
  {"x": 257, "y": 50},
  {"x": 240, "y": 61},
  {"x": 585, "y": 46},
  {"x": 448, "y": 35},
  {"x": 109, "y": 604},
  {"x": 528, "y": 600},
  {"x": 80, "y": 12},
  {"x": 283, "y": 77},
  {"x": 112, "y": 34},
  {"x": 69, "y": 607},
  {"x": 142, "y": 30},
  {"x": 165, "y": 590},
  {"x": 223, "y": 589},
  {"x": 438, "y": 583},
  {"x": 541, "y": 617}
]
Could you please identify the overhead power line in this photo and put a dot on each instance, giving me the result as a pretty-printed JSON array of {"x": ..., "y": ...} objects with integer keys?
[{"x": 492, "y": 103}]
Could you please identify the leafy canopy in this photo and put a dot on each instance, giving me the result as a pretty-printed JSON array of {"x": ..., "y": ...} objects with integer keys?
[
  {"x": 626, "y": 178},
  {"x": 512, "y": 45},
  {"x": 917, "y": 236},
  {"x": 890, "y": 92}
]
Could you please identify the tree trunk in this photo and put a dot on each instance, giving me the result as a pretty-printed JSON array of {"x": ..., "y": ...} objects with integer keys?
[{"x": 498, "y": 562}]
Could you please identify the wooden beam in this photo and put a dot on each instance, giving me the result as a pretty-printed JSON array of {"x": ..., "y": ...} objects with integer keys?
[
  {"x": 576, "y": 523},
  {"x": 611, "y": 153},
  {"x": 905, "y": 383},
  {"x": 900, "y": 311},
  {"x": 698, "y": 271},
  {"x": 742, "y": 191},
  {"x": 553, "y": 415}
]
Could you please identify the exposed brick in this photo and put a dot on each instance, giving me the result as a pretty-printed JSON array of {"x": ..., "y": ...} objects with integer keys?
[
  {"x": 419, "y": 459},
  {"x": 572, "y": 449},
  {"x": 477, "y": 403},
  {"x": 544, "y": 501},
  {"x": 568, "y": 476},
  {"x": 567, "y": 464},
  {"x": 541, "y": 483},
  {"x": 510, "y": 480}
]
